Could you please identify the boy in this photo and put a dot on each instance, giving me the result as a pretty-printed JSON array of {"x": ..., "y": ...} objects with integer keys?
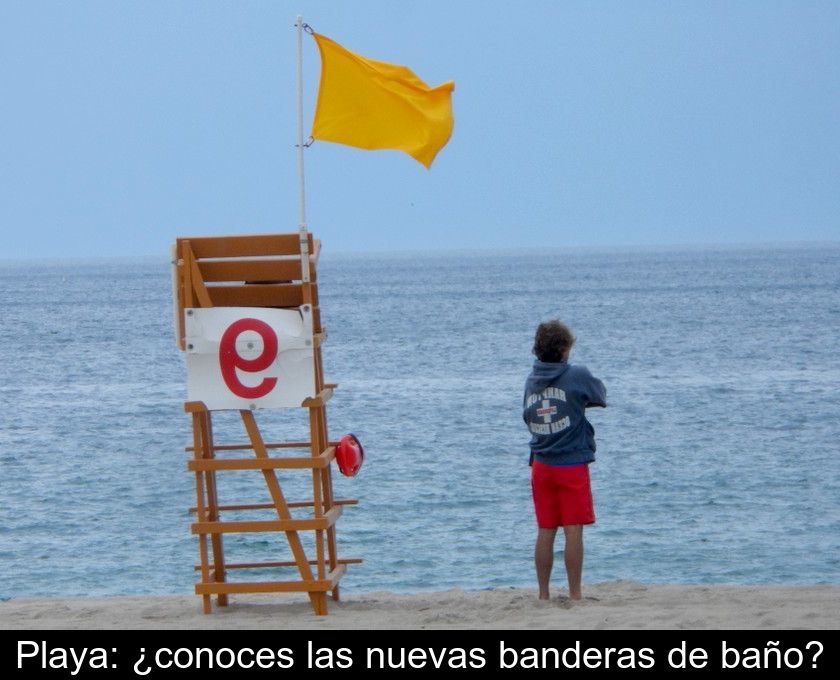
[{"x": 562, "y": 446}]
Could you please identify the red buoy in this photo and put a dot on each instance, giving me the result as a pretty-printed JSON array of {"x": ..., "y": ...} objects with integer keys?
[{"x": 349, "y": 455}]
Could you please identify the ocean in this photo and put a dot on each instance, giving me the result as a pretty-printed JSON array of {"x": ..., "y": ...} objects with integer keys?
[{"x": 718, "y": 457}]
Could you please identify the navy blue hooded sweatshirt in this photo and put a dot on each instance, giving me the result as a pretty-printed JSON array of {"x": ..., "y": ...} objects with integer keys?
[{"x": 556, "y": 395}]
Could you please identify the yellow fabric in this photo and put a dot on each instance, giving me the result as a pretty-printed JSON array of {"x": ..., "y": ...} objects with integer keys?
[{"x": 375, "y": 105}]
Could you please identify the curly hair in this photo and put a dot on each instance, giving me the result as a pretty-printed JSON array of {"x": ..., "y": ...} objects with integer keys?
[{"x": 552, "y": 340}]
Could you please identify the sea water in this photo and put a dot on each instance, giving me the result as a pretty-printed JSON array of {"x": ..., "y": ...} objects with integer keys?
[{"x": 718, "y": 457}]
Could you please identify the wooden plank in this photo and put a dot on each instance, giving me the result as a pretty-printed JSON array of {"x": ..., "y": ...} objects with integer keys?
[
  {"x": 213, "y": 505},
  {"x": 250, "y": 245},
  {"x": 279, "y": 499},
  {"x": 198, "y": 286},
  {"x": 279, "y": 565},
  {"x": 265, "y": 270},
  {"x": 201, "y": 509},
  {"x": 269, "y": 506},
  {"x": 249, "y": 447},
  {"x": 186, "y": 297},
  {"x": 194, "y": 407},
  {"x": 320, "y": 400},
  {"x": 337, "y": 572},
  {"x": 326, "y": 474},
  {"x": 185, "y": 260},
  {"x": 257, "y": 526},
  {"x": 312, "y": 586},
  {"x": 256, "y": 295},
  {"x": 296, "y": 463},
  {"x": 178, "y": 300},
  {"x": 315, "y": 436}
]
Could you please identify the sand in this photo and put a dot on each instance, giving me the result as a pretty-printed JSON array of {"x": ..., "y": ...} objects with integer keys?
[{"x": 615, "y": 605}]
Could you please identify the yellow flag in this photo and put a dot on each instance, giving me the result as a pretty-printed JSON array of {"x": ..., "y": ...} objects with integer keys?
[{"x": 375, "y": 105}]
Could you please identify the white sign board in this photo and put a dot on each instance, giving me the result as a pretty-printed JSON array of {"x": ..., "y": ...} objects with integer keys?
[{"x": 249, "y": 357}]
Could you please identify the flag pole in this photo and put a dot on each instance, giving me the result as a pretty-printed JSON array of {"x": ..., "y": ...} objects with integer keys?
[{"x": 304, "y": 238}]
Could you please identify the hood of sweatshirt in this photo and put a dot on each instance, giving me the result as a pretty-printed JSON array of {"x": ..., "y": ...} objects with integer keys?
[{"x": 544, "y": 373}]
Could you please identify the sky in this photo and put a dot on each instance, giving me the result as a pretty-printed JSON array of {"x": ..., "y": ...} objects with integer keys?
[{"x": 124, "y": 125}]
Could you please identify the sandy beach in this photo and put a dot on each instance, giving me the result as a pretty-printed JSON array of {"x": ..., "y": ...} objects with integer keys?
[{"x": 614, "y": 605}]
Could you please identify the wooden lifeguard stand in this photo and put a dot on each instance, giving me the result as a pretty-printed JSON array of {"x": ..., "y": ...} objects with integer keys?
[{"x": 248, "y": 277}]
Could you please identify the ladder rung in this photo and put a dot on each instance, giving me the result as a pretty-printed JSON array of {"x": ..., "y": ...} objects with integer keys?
[
  {"x": 287, "y": 563},
  {"x": 313, "y": 586},
  {"x": 205, "y": 464},
  {"x": 250, "y": 447},
  {"x": 308, "y": 524},
  {"x": 271, "y": 506}
]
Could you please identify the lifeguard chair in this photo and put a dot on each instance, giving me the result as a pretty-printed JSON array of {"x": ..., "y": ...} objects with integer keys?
[{"x": 248, "y": 320}]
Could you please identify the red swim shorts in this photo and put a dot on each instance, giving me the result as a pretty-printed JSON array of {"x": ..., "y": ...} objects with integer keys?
[{"x": 562, "y": 495}]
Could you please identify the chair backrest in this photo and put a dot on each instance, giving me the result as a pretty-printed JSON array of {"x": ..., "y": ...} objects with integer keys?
[{"x": 260, "y": 270}]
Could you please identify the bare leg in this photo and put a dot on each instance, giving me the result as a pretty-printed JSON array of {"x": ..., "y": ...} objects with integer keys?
[
  {"x": 544, "y": 559},
  {"x": 573, "y": 556}
]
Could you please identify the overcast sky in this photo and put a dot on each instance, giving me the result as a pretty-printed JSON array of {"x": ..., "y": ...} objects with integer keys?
[{"x": 126, "y": 124}]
